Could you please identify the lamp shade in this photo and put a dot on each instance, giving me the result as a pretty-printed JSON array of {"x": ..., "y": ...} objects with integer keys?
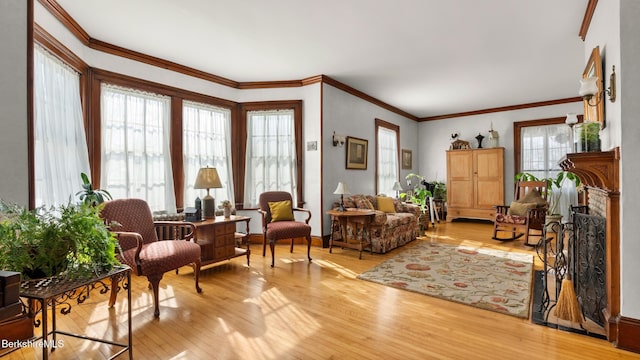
[
  {"x": 588, "y": 86},
  {"x": 207, "y": 179},
  {"x": 397, "y": 186},
  {"x": 342, "y": 189},
  {"x": 572, "y": 119}
]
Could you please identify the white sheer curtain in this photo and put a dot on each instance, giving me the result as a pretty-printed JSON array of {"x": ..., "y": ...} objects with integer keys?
[
  {"x": 60, "y": 144},
  {"x": 543, "y": 147},
  {"x": 387, "y": 160},
  {"x": 206, "y": 142},
  {"x": 271, "y": 154},
  {"x": 136, "y": 161}
]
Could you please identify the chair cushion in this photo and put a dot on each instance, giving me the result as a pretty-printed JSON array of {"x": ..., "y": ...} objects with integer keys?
[
  {"x": 533, "y": 196},
  {"x": 161, "y": 256},
  {"x": 520, "y": 208},
  {"x": 287, "y": 230},
  {"x": 511, "y": 219},
  {"x": 281, "y": 211},
  {"x": 386, "y": 204}
]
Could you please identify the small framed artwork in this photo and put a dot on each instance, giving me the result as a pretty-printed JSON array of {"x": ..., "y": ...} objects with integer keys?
[
  {"x": 357, "y": 153},
  {"x": 407, "y": 160}
]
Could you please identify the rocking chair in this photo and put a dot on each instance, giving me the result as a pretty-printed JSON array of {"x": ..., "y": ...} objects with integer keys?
[{"x": 526, "y": 214}]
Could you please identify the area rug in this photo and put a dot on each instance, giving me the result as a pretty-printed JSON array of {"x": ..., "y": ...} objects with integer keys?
[{"x": 486, "y": 278}]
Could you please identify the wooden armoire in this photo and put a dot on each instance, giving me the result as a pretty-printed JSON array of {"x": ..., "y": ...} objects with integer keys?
[{"x": 475, "y": 183}]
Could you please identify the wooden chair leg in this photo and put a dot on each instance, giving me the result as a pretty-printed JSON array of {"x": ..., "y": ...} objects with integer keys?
[
  {"x": 264, "y": 245},
  {"x": 309, "y": 247},
  {"x": 292, "y": 240},
  {"x": 272, "y": 245},
  {"x": 154, "y": 281},
  {"x": 196, "y": 272}
]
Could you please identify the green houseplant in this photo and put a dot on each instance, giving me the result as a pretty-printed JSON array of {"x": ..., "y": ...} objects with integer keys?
[
  {"x": 89, "y": 195},
  {"x": 587, "y": 137},
  {"x": 419, "y": 195},
  {"x": 70, "y": 240},
  {"x": 554, "y": 184}
]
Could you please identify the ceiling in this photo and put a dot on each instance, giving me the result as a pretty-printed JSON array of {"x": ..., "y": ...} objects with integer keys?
[{"x": 425, "y": 57}]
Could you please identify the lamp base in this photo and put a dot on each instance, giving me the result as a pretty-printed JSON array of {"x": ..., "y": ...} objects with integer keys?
[{"x": 208, "y": 207}]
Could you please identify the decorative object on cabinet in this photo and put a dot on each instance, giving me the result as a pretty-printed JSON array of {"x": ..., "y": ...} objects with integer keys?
[
  {"x": 480, "y": 137},
  {"x": 459, "y": 145},
  {"x": 357, "y": 153},
  {"x": 475, "y": 183},
  {"x": 208, "y": 178},
  {"x": 341, "y": 190},
  {"x": 494, "y": 137},
  {"x": 142, "y": 249},
  {"x": 407, "y": 159},
  {"x": 591, "y": 88},
  {"x": 226, "y": 207},
  {"x": 280, "y": 230}
]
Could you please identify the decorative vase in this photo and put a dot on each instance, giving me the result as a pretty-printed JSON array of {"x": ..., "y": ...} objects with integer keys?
[
  {"x": 480, "y": 137},
  {"x": 227, "y": 213}
]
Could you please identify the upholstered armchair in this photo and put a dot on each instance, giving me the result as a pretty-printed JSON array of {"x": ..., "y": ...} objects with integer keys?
[
  {"x": 278, "y": 221},
  {"x": 147, "y": 255}
]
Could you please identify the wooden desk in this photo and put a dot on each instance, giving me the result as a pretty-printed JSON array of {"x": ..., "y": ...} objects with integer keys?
[
  {"x": 219, "y": 240},
  {"x": 58, "y": 292},
  {"x": 357, "y": 218}
]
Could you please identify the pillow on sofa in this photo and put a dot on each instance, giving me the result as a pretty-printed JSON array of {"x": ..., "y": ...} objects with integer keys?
[
  {"x": 281, "y": 211},
  {"x": 386, "y": 204},
  {"x": 520, "y": 208},
  {"x": 363, "y": 203}
]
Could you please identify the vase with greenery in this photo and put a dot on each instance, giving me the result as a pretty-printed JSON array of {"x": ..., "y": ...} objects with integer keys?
[
  {"x": 70, "y": 240},
  {"x": 587, "y": 137},
  {"x": 89, "y": 195},
  {"x": 419, "y": 195}
]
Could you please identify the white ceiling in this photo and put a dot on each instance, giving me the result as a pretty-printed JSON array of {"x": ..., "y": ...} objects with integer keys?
[{"x": 426, "y": 57}]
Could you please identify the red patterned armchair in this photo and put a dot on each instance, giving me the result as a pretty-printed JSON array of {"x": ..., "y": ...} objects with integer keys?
[
  {"x": 282, "y": 225},
  {"x": 141, "y": 249}
]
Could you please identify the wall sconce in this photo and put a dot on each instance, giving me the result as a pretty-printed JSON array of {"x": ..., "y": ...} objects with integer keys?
[
  {"x": 338, "y": 140},
  {"x": 589, "y": 88}
]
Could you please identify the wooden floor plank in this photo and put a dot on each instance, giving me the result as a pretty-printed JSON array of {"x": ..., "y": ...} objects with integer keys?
[{"x": 317, "y": 310}]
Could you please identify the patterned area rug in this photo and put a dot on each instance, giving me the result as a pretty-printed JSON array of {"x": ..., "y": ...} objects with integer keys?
[{"x": 481, "y": 277}]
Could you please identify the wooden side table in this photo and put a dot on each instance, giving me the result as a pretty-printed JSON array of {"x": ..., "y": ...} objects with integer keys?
[
  {"x": 358, "y": 218},
  {"x": 219, "y": 240}
]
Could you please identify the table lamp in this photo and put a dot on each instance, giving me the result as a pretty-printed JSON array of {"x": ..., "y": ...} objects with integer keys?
[
  {"x": 341, "y": 190},
  {"x": 208, "y": 178},
  {"x": 397, "y": 187}
]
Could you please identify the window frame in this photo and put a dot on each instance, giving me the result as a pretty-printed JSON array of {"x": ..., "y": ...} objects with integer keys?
[{"x": 393, "y": 127}]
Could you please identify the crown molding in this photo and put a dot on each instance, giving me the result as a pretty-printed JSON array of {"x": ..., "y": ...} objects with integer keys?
[{"x": 586, "y": 21}]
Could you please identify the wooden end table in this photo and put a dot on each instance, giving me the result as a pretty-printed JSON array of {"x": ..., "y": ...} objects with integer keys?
[
  {"x": 219, "y": 240},
  {"x": 358, "y": 218}
]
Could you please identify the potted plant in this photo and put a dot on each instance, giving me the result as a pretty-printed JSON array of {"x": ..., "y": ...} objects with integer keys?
[
  {"x": 439, "y": 190},
  {"x": 587, "y": 137},
  {"x": 89, "y": 195},
  {"x": 554, "y": 192},
  {"x": 70, "y": 240},
  {"x": 418, "y": 196}
]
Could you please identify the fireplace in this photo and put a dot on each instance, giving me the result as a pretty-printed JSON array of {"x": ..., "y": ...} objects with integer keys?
[{"x": 599, "y": 293}]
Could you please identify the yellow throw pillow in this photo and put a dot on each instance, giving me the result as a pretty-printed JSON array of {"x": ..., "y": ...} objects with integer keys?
[
  {"x": 386, "y": 204},
  {"x": 520, "y": 209},
  {"x": 281, "y": 211}
]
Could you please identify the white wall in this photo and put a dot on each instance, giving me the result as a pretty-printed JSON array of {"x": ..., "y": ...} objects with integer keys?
[
  {"x": 435, "y": 137},
  {"x": 352, "y": 116},
  {"x": 13, "y": 102}
]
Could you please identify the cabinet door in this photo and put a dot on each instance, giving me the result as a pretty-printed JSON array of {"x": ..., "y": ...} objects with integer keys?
[
  {"x": 460, "y": 179},
  {"x": 489, "y": 189}
]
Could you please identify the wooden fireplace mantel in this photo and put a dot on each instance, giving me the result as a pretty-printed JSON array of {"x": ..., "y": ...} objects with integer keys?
[
  {"x": 599, "y": 173},
  {"x": 595, "y": 169}
]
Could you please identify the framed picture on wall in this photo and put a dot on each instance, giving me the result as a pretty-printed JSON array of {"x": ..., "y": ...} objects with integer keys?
[
  {"x": 594, "y": 108},
  {"x": 407, "y": 160},
  {"x": 357, "y": 153}
]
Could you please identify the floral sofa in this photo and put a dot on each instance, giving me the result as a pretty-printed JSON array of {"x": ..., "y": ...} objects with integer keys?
[{"x": 389, "y": 230}]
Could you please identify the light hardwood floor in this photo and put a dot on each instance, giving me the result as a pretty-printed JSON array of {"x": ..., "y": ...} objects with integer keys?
[{"x": 317, "y": 310}]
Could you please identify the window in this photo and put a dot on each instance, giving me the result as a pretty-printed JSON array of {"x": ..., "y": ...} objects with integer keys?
[
  {"x": 206, "y": 141},
  {"x": 135, "y": 146},
  {"x": 271, "y": 159},
  {"x": 387, "y": 136},
  {"x": 541, "y": 144},
  {"x": 60, "y": 144}
]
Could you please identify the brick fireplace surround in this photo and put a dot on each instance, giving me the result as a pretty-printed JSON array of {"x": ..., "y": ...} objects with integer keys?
[{"x": 599, "y": 172}]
